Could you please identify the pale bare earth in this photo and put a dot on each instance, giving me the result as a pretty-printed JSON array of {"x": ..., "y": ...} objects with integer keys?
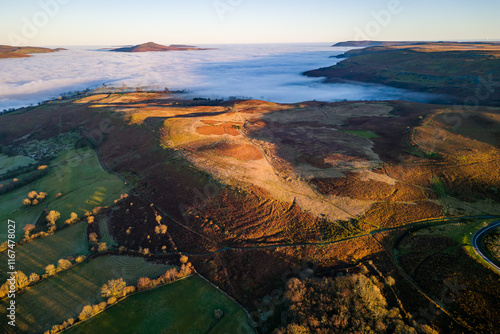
[{"x": 262, "y": 143}]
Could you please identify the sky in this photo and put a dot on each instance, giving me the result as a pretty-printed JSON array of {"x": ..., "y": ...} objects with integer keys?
[{"x": 111, "y": 22}]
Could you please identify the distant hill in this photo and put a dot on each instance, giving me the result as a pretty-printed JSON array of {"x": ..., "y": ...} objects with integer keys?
[
  {"x": 8, "y": 51},
  {"x": 367, "y": 44},
  {"x": 150, "y": 46},
  {"x": 456, "y": 69}
]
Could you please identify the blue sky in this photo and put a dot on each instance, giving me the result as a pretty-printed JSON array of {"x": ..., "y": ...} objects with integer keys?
[{"x": 98, "y": 22}]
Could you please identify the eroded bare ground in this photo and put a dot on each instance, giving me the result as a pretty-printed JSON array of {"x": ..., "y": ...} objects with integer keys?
[
  {"x": 249, "y": 188},
  {"x": 383, "y": 163}
]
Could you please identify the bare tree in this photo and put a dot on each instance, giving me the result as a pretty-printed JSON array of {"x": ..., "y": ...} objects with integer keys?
[{"x": 114, "y": 288}]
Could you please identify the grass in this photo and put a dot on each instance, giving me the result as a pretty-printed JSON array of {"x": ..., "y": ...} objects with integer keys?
[
  {"x": 185, "y": 306},
  {"x": 10, "y": 163},
  {"x": 460, "y": 232},
  {"x": 34, "y": 256},
  {"x": 57, "y": 299},
  {"x": 362, "y": 133},
  {"x": 80, "y": 179},
  {"x": 105, "y": 236},
  {"x": 438, "y": 186}
]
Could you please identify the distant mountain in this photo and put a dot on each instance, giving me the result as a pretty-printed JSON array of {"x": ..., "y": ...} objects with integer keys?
[
  {"x": 367, "y": 44},
  {"x": 150, "y": 46},
  {"x": 8, "y": 51}
]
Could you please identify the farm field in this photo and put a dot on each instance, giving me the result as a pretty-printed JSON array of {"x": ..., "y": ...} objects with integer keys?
[
  {"x": 34, "y": 256},
  {"x": 77, "y": 175},
  {"x": 11, "y": 163},
  {"x": 186, "y": 306},
  {"x": 56, "y": 299}
]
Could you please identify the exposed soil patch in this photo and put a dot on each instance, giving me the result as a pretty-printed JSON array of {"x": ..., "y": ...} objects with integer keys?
[
  {"x": 215, "y": 127},
  {"x": 218, "y": 130},
  {"x": 243, "y": 152}
]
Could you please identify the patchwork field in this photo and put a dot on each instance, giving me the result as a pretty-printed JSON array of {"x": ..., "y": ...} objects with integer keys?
[
  {"x": 185, "y": 306},
  {"x": 79, "y": 179},
  {"x": 11, "y": 163},
  {"x": 34, "y": 256},
  {"x": 55, "y": 300}
]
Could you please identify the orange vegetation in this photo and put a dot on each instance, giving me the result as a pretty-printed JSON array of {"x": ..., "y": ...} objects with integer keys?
[{"x": 243, "y": 152}]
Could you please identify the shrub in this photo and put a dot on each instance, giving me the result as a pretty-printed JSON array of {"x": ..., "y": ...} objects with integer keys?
[
  {"x": 93, "y": 238},
  {"x": 102, "y": 247}
]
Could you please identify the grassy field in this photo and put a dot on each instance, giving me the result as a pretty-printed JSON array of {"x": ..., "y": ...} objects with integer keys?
[
  {"x": 10, "y": 163},
  {"x": 83, "y": 185},
  {"x": 34, "y": 256},
  {"x": 105, "y": 236},
  {"x": 363, "y": 133},
  {"x": 186, "y": 306},
  {"x": 57, "y": 299}
]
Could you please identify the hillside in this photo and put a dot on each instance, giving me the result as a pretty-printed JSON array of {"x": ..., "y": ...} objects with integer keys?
[
  {"x": 150, "y": 46},
  {"x": 466, "y": 72},
  {"x": 367, "y": 44},
  {"x": 7, "y": 51},
  {"x": 258, "y": 192}
]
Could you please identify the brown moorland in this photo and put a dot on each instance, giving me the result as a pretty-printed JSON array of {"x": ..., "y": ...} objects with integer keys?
[{"x": 245, "y": 223}]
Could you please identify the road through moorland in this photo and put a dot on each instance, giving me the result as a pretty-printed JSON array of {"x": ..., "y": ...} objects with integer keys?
[{"x": 476, "y": 242}]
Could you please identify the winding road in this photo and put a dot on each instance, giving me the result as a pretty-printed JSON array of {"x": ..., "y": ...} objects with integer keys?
[{"x": 476, "y": 242}]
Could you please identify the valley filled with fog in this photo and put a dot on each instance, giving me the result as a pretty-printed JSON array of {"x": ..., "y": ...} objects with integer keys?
[{"x": 271, "y": 72}]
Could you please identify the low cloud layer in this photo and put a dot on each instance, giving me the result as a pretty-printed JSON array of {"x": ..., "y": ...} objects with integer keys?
[{"x": 270, "y": 72}]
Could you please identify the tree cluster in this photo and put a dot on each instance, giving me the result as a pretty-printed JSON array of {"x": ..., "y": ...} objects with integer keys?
[
  {"x": 344, "y": 304},
  {"x": 492, "y": 243},
  {"x": 34, "y": 198},
  {"x": 51, "y": 218},
  {"x": 72, "y": 219},
  {"x": 171, "y": 275}
]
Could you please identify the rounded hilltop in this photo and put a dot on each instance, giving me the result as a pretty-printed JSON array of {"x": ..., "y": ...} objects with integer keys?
[{"x": 152, "y": 46}]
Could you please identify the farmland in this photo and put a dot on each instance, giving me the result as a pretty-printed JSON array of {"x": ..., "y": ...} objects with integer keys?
[
  {"x": 185, "y": 306},
  {"x": 79, "y": 179},
  {"x": 34, "y": 256},
  {"x": 11, "y": 163},
  {"x": 57, "y": 299}
]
